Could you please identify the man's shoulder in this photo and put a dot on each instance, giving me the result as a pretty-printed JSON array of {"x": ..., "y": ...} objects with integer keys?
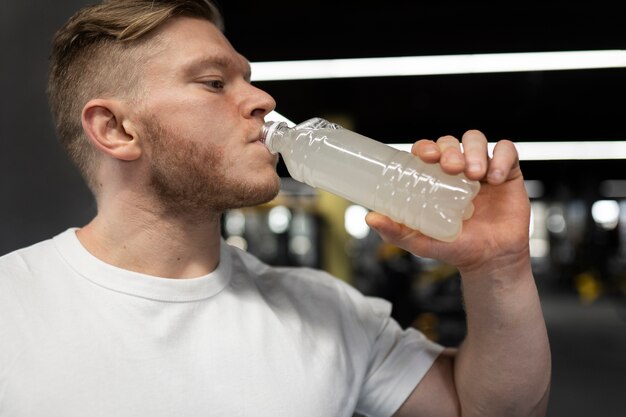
[
  {"x": 306, "y": 286},
  {"x": 248, "y": 264},
  {"x": 23, "y": 258},
  {"x": 24, "y": 267}
]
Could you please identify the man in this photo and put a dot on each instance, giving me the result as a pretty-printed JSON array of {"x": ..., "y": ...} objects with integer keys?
[{"x": 146, "y": 311}]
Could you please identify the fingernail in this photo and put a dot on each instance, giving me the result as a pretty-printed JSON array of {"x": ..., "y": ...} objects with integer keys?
[
  {"x": 496, "y": 175},
  {"x": 429, "y": 151},
  {"x": 455, "y": 159},
  {"x": 474, "y": 167}
]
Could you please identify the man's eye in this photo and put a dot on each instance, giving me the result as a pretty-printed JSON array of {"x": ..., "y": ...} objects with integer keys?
[{"x": 214, "y": 84}]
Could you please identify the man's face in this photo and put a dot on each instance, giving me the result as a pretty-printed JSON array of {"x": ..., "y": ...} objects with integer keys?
[{"x": 201, "y": 119}]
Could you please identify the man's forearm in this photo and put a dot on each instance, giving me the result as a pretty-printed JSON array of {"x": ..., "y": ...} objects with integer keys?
[{"x": 503, "y": 366}]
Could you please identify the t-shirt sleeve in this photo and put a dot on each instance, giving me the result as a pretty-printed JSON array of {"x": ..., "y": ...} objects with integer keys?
[
  {"x": 384, "y": 362},
  {"x": 399, "y": 359}
]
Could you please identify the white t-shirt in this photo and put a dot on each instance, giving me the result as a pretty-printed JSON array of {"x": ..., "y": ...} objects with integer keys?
[{"x": 79, "y": 337}]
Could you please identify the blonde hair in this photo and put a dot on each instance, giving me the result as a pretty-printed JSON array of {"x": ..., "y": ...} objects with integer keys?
[{"x": 96, "y": 54}]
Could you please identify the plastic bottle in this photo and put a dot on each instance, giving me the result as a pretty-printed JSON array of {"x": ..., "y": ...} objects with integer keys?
[{"x": 375, "y": 175}]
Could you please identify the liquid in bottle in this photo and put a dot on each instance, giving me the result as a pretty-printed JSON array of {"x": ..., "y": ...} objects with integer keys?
[{"x": 375, "y": 175}]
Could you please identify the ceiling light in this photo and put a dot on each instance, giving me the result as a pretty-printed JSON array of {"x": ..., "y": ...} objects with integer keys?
[
  {"x": 558, "y": 151},
  {"x": 437, "y": 65}
]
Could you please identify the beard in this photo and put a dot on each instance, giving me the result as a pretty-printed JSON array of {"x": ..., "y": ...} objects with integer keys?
[{"x": 190, "y": 179}]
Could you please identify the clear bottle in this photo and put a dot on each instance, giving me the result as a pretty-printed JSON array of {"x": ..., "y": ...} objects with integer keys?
[{"x": 375, "y": 175}]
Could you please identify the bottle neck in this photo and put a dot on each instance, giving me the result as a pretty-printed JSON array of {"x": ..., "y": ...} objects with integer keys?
[{"x": 272, "y": 135}]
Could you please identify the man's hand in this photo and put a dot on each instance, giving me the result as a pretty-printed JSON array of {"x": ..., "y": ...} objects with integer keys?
[
  {"x": 498, "y": 230},
  {"x": 503, "y": 366}
]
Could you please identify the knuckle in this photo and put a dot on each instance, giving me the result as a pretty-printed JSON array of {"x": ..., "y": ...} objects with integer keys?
[
  {"x": 447, "y": 141},
  {"x": 446, "y": 138}
]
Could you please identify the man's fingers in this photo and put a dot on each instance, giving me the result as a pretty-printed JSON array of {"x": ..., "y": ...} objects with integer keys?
[
  {"x": 426, "y": 150},
  {"x": 476, "y": 158},
  {"x": 473, "y": 159},
  {"x": 446, "y": 151},
  {"x": 505, "y": 163},
  {"x": 452, "y": 160},
  {"x": 387, "y": 228},
  {"x": 399, "y": 235}
]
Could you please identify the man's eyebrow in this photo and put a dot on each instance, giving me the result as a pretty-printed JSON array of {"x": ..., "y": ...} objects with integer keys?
[{"x": 222, "y": 62}]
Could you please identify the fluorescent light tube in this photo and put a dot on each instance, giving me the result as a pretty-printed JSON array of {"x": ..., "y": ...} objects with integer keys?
[
  {"x": 558, "y": 151},
  {"x": 437, "y": 65}
]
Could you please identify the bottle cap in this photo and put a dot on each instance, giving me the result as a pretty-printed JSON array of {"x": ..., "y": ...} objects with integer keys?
[{"x": 268, "y": 131}]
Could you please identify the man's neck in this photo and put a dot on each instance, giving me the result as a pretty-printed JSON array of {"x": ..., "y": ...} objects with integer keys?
[{"x": 153, "y": 244}]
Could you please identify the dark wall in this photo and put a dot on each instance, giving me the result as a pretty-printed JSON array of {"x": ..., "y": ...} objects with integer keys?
[{"x": 41, "y": 193}]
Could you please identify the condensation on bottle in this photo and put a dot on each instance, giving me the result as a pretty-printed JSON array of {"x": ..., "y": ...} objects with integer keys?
[{"x": 377, "y": 176}]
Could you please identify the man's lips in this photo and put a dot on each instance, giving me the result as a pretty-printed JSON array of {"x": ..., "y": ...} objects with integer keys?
[{"x": 259, "y": 140}]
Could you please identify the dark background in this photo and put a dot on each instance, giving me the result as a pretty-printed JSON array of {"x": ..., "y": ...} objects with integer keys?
[{"x": 41, "y": 193}]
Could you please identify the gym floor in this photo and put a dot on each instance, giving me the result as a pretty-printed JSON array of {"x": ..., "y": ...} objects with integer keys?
[{"x": 589, "y": 356}]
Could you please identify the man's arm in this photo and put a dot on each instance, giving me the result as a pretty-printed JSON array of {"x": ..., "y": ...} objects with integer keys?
[{"x": 502, "y": 368}]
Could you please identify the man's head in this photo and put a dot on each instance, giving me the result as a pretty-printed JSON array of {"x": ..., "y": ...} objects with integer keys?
[
  {"x": 96, "y": 54},
  {"x": 157, "y": 80}
]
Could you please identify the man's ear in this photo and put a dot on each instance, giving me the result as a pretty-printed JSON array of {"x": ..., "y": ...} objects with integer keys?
[{"x": 105, "y": 123}]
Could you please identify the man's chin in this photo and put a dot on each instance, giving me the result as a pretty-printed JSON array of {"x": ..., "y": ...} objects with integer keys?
[{"x": 261, "y": 195}]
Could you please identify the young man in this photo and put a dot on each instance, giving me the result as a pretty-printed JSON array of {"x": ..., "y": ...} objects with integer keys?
[{"x": 146, "y": 311}]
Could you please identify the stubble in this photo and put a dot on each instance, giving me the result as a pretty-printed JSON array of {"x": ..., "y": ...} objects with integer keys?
[{"x": 192, "y": 180}]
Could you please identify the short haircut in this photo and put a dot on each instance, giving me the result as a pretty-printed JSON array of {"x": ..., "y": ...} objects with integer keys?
[{"x": 95, "y": 54}]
